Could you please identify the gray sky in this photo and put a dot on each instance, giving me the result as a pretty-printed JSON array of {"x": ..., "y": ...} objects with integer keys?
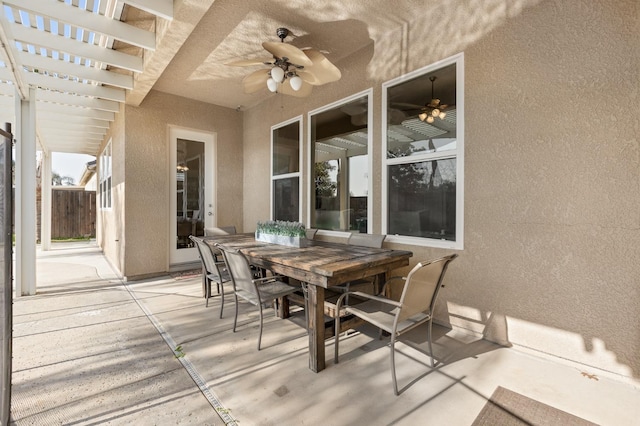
[{"x": 71, "y": 165}]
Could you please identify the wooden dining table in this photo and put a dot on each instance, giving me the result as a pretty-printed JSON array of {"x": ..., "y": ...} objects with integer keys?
[{"x": 320, "y": 265}]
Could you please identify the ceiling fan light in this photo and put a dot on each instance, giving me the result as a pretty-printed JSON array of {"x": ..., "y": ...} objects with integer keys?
[
  {"x": 296, "y": 83},
  {"x": 272, "y": 85},
  {"x": 442, "y": 115},
  {"x": 277, "y": 74},
  {"x": 435, "y": 112},
  {"x": 430, "y": 119},
  {"x": 422, "y": 116}
]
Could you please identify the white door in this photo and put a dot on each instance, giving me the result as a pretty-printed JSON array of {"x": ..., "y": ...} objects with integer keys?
[{"x": 192, "y": 189}]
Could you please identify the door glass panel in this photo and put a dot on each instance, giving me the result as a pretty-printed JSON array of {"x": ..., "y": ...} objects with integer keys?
[{"x": 190, "y": 191}]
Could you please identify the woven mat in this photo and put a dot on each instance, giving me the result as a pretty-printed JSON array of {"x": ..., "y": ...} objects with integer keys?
[{"x": 508, "y": 408}]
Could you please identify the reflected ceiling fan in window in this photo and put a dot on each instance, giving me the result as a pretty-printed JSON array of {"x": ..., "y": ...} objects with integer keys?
[
  {"x": 399, "y": 111},
  {"x": 292, "y": 71},
  {"x": 434, "y": 108}
]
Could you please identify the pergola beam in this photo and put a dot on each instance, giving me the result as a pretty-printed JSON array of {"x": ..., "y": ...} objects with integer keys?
[
  {"x": 79, "y": 101},
  {"x": 88, "y": 21},
  {"x": 72, "y": 47},
  {"x": 85, "y": 73},
  {"x": 161, "y": 8},
  {"x": 46, "y": 107},
  {"x": 49, "y": 117},
  {"x": 68, "y": 86}
]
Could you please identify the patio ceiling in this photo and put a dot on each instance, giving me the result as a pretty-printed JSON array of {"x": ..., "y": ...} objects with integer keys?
[{"x": 86, "y": 58}]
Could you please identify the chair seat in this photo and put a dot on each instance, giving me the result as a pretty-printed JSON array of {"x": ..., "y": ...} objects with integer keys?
[
  {"x": 268, "y": 291},
  {"x": 224, "y": 276},
  {"x": 382, "y": 315}
]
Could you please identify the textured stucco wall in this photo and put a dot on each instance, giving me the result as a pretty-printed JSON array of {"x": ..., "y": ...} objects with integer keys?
[
  {"x": 147, "y": 161},
  {"x": 552, "y": 168},
  {"x": 110, "y": 233}
]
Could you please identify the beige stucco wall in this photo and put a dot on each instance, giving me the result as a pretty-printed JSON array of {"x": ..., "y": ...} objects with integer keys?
[
  {"x": 552, "y": 168},
  {"x": 141, "y": 149},
  {"x": 110, "y": 223}
]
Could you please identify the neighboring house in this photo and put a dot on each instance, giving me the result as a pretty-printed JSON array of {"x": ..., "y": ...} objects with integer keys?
[
  {"x": 540, "y": 195},
  {"x": 88, "y": 180}
]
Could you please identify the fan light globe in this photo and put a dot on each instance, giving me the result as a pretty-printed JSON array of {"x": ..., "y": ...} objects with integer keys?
[
  {"x": 422, "y": 116},
  {"x": 442, "y": 115},
  {"x": 430, "y": 119},
  {"x": 296, "y": 83},
  {"x": 272, "y": 85},
  {"x": 277, "y": 74}
]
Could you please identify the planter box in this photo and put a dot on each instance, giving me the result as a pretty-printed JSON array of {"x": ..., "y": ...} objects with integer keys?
[{"x": 282, "y": 240}]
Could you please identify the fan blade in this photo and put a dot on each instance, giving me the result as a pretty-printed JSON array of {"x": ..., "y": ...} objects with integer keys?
[
  {"x": 285, "y": 50},
  {"x": 251, "y": 62},
  {"x": 285, "y": 89},
  {"x": 255, "y": 81},
  {"x": 322, "y": 69},
  {"x": 309, "y": 77}
]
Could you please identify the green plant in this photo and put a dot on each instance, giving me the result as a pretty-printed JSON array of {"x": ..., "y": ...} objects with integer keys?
[{"x": 281, "y": 227}]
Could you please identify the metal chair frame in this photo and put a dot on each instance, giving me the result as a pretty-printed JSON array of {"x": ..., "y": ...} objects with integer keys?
[
  {"x": 414, "y": 308},
  {"x": 213, "y": 269},
  {"x": 257, "y": 291}
]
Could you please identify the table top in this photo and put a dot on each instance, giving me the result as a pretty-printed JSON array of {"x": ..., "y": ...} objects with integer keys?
[{"x": 322, "y": 263}]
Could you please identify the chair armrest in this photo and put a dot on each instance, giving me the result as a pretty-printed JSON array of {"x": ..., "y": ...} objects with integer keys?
[
  {"x": 384, "y": 287},
  {"x": 368, "y": 297},
  {"x": 264, "y": 279}
]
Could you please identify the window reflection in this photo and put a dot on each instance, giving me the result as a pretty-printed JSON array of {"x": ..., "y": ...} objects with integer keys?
[
  {"x": 285, "y": 173},
  {"x": 340, "y": 174},
  {"x": 422, "y": 155},
  {"x": 422, "y": 199}
]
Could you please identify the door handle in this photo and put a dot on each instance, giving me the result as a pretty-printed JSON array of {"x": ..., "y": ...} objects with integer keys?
[{"x": 210, "y": 214}]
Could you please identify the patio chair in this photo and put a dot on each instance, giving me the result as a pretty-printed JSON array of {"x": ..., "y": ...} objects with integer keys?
[
  {"x": 213, "y": 270},
  {"x": 257, "y": 291},
  {"x": 415, "y": 307},
  {"x": 220, "y": 230},
  {"x": 363, "y": 240}
]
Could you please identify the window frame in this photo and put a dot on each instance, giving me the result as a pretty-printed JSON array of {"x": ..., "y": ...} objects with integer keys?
[
  {"x": 106, "y": 180},
  {"x": 457, "y": 154},
  {"x": 297, "y": 174},
  {"x": 369, "y": 94}
]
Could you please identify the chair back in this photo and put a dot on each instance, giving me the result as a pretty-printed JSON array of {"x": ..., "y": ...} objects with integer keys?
[
  {"x": 422, "y": 286},
  {"x": 239, "y": 269},
  {"x": 366, "y": 240},
  {"x": 220, "y": 230},
  {"x": 311, "y": 233},
  {"x": 207, "y": 255}
]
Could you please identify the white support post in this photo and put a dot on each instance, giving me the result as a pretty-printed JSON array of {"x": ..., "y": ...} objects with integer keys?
[
  {"x": 25, "y": 205},
  {"x": 45, "y": 202}
]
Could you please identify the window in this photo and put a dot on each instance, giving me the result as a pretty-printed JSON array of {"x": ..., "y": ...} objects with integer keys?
[
  {"x": 340, "y": 163},
  {"x": 105, "y": 177},
  {"x": 424, "y": 145},
  {"x": 285, "y": 170}
]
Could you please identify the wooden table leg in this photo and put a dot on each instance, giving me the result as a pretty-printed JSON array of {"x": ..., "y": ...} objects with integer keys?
[{"x": 315, "y": 326}]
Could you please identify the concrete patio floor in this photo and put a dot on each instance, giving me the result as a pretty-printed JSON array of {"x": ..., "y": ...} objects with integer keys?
[{"x": 90, "y": 349}]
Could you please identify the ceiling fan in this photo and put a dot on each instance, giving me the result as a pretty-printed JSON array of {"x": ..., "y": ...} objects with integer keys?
[{"x": 292, "y": 71}]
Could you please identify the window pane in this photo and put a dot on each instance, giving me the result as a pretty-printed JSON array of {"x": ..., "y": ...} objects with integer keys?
[
  {"x": 422, "y": 199},
  {"x": 286, "y": 151},
  {"x": 286, "y": 199},
  {"x": 339, "y": 178},
  {"x": 421, "y": 114}
]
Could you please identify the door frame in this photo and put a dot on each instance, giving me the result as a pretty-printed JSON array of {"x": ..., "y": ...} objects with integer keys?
[{"x": 188, "y": 255}]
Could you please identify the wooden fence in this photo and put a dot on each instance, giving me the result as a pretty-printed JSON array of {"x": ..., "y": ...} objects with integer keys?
[{"x": 73, "y": 213}]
